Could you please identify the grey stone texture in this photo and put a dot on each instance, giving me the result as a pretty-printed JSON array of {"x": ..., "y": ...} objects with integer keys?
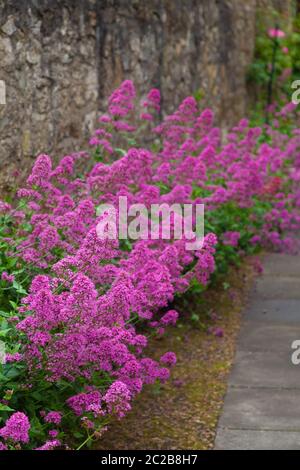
[
  {"x": 262, "y": 408},
  {"x": 259, "y": 440},
  {"x": 60, "y": 59}
]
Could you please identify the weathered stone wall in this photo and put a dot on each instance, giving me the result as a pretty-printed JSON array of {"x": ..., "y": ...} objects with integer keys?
[{"x": 61, "y": 58}]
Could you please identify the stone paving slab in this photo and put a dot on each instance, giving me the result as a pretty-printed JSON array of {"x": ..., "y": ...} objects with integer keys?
[
  {"x": 285, "y": 311},
  {"x": 250, "y": 370},
  {"x": 239, "y": 439},
  {"x": 261, "y": 408},
  {"x": 283, "y": 288},
  {"x": 277, "y": 264},
  {"x": 262, "y": 336}
]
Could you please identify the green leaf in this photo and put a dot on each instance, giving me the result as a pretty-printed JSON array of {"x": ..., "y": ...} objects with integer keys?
[
  {"x": 195, "y": 317},
  {"x": 3, "y": 333},
  {"x": 4, "y": 314},
  {"x": 19, "y": 288},
  {"x": 121, "y": 151},
  {"x": 12, "y": 373},
  {"x": 5, "y": 408}
]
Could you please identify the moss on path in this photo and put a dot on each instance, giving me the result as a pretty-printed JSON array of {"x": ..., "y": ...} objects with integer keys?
[{"x": 183, "y": 413}]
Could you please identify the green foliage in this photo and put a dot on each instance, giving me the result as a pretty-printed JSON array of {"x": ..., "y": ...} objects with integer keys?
[{"x": 283, "y": 53}]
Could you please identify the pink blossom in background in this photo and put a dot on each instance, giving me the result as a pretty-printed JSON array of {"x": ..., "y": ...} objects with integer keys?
[
  {"x": 7, "y": 277},
  {"x": 276, "y": 33},
  {"x": 231, "y": 238},
  {"x": 169, "y": 358},
  {"x": 15, "y": 357},
  {"x": 216, "y": 331},
  {"x": 49, "y": 445},
  {"x": 53, "y": 417}
]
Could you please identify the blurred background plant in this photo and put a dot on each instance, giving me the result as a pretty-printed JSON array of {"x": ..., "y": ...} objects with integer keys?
[{"x": 276, "y": 62}]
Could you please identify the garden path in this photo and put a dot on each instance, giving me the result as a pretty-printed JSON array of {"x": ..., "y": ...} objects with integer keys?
[{"x": 262, "y": 404}]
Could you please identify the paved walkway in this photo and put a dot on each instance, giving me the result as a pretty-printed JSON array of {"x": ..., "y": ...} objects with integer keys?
[{"x": 262, "y": 405}]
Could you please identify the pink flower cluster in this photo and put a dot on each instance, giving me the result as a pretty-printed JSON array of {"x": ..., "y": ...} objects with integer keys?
[
  {"x": 16, "y": 428},
  {"x": 276, "y": 33},
  {"x": 78, "y": 321}
]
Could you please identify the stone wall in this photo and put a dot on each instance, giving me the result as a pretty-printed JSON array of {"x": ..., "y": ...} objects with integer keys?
[{"x": 61, "y": 58}]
